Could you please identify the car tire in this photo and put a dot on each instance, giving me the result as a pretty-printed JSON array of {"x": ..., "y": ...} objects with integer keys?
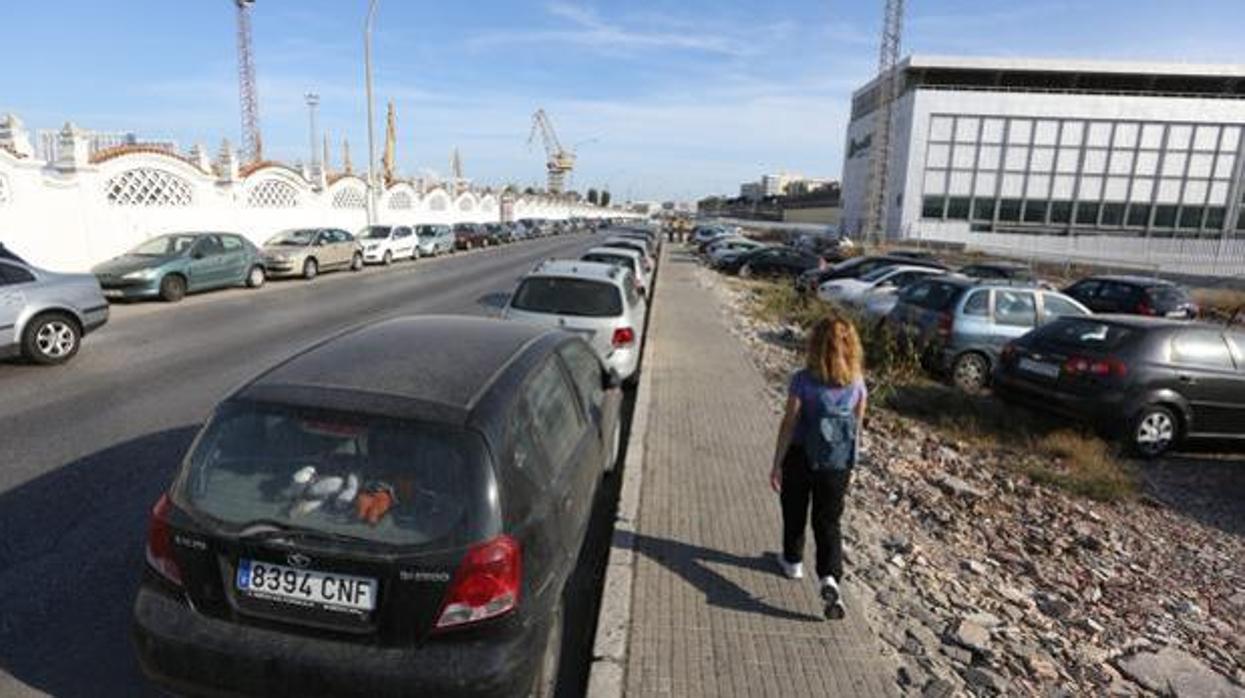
[
  {"x": 1154, "y": 431},
  {"x": 51, "y": 338},
  {"x": 387, "y": 259},
  {"x": 971, "y": 372},
  {"x": 172, "y": 288},
  {"x": 546, "y": 683},
  {"x": 310, "y": 269},
  {"x": 356, "y": 262},
  {"x": 256, "y": 277}
]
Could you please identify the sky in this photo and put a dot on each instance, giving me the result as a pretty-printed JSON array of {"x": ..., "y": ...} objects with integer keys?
[{"x": 661, "y": 99}]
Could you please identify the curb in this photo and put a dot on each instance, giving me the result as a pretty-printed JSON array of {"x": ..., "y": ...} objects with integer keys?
[{"x": 607, "y": 676}]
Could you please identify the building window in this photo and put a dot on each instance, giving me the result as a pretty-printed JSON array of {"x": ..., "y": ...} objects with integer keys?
[
  {"x": 148, "y": 187},
  {"x": 957, "y": 208},
  {"x": 933, "y": 206},
  {"x": 1165, "y": 217},
  {"x": 1035, "y": 211},
  {"x": 1061, "y": 212},
  {"x": 1009, "y": 210},
  {"x": 1113, "y": 213},
  {"x": 1191, "y": 217},
  {"x": 1138, "y": 215},
  {"x": 983, "y": 210},
  {"x": 1215, "y": 216},
  {"x": 1087, "y": 213}
]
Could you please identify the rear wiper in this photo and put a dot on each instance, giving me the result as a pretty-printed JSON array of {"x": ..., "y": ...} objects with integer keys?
[{"x": 269, "y": 529}]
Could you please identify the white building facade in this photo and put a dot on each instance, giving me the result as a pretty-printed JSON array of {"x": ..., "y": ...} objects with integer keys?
[{"x": 1127, "y": 163}]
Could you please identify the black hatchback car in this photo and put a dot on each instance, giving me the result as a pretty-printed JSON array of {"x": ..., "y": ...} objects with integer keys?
[
  {"x": 786, "y": 262},
  {"x": 1156, "y": 381},
  {"x": 351, "y": 523},
  {"x": 1135, "y": 295}
]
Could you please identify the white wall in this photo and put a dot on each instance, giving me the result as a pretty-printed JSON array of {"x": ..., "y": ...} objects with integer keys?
[{"x": 60, "y": 215}]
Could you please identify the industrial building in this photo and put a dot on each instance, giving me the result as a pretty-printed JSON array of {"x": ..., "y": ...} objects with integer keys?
[{"x": 1059, "y": 156}]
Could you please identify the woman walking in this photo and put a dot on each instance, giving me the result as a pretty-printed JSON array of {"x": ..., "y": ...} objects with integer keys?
[{"x": 816, "y": 451}]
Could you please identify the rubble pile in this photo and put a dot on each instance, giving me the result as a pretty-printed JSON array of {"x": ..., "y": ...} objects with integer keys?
[{"x": 985, "y": 583}]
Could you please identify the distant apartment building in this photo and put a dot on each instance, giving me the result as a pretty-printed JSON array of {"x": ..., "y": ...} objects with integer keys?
[
  {"x": 988, "y": 148},
  {"x": 750, "y": 191}
]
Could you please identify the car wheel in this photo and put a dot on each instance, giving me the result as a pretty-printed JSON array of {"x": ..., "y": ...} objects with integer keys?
[
  {"x": 388, "y": 258},
  {"x": 257, "y": 277},
  {"x": 310, "y": 269},
  {"x": 356, "y": 262},
  {"x": 971, "y": 372},
  {"x": 1155, "y": 430},
  {"x": 172, "y": 288},
  {"x": 745, "y": 272},
  {"x": 546, "y": 683},
  {"x": 51, "y": 339}
]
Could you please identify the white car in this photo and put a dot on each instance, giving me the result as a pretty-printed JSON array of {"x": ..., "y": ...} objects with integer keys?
[
  {"x": 632, "y": 244},
  {"x": 631, "y": 259},
  {"x": 874, "y": 286},
  {"x": 599, "y": 302},
  {"x": 385, "y": 244}
]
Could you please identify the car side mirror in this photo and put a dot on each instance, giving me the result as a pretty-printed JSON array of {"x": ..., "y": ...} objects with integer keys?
[
  {"x": 611, "y": 380},
  {"x": 197, "y": 254}
]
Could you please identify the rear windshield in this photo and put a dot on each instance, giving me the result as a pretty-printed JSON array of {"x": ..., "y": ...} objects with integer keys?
[
  {"x": 582, "y": 297},
  {"x": 932, "y": 295},
  {"x": 1167, "y": 297},
  {"x": 628, "y": 262},
  {"x": 393, "y": 482},
  {"x": 1084, "y": 334}
]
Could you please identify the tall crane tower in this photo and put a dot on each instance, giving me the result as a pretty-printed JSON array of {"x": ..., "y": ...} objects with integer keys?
[
  {"x": 252, "y": 143},
  {"x": 560, "y": 160},
  {"x": 887, "y": 87}
]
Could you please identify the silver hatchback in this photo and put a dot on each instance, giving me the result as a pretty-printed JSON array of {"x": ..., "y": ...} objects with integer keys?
[
  {"x": 44, "y": 315},
  {"x": 600, "y": 302}
]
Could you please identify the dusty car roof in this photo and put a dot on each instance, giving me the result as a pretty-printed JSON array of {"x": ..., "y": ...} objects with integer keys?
[{"x": 408, "y": 364}]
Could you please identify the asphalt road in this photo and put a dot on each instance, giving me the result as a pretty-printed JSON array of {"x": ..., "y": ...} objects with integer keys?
[{"x": 86, "y": 448}]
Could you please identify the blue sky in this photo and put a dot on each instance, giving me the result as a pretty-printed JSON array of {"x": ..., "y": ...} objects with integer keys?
[{"x": 666, "y": 99}]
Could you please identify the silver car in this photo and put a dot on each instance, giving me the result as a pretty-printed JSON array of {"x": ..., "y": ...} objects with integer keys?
[
  {"x": 434, "y": 240},
  {"x": 44, "y": 315},
  {"x": 597, "y": 301}
]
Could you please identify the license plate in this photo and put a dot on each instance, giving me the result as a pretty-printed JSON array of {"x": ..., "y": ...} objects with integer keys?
[
  {"x": 324, "y": 590},
  {"x": 112, "y": 293},
  {"x": 1039, "y": 367}
]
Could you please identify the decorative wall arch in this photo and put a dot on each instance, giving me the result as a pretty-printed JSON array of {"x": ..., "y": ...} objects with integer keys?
[
  {"x": 148, "y": 186},
  {"x": 465, "y": 203},
  {"x": 437, "y": 200},
  {"x": 488, "y": 203},
  {"x": 349, "y": 197},
  {"x": 272, "y": 193},
  {"x": 400, "y": 201}
]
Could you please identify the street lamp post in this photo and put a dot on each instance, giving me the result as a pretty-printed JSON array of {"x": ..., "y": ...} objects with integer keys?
[
  {"x": 313, "y": 100},
  {"x": 371, "y": 137}
]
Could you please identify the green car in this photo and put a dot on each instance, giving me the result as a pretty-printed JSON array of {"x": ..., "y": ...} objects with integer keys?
[{"x": 170, "y": 266}]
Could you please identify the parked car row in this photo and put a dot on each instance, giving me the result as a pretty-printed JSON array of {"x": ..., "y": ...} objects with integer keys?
[
  {"x": 44, "y": 315},
  {"x": 390, "y": 528}
]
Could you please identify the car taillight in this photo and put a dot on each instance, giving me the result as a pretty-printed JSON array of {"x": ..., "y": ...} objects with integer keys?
[
  {"x": 1083, "y": 366},
  {"x": 487, "y": 584},
  {"x": 160, "y": 542},
  {"x": 623, "y": 336}
]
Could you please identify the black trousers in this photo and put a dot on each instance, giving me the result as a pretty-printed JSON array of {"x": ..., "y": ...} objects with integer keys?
[{"x": 826, "y": 489}]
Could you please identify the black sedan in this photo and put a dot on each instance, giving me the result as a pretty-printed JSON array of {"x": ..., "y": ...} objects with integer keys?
[
  {"x": 1155, "y": 381},
  {"x": 772, "y": 262},
  {"x": 352, "y": 523}
]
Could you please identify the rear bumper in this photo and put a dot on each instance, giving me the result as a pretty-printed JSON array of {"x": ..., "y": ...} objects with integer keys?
[
  {"x": 192, "y": 654},
  {"x": 1108, "y": 410},
  {"x": 625, "y": 361},
  {"x": 94, "y": 318}
]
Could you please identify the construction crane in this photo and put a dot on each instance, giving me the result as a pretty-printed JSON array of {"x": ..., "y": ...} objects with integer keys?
[
  {"x": 887, "y": 87},
  {"x": 252, "y": 143},
  {"x": 560, "y": 160}
]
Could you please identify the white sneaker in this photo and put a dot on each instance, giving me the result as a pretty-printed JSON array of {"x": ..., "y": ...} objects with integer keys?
[
  {"x": 833, "y": 599},
  {"x": 791, "y": 570}
]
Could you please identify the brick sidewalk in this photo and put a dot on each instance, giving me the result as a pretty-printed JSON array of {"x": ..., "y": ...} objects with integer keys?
[{"x": 709, "y": 614}]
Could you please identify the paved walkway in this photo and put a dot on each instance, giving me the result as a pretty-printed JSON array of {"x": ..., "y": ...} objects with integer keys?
[{"x": 710, "y": 615}]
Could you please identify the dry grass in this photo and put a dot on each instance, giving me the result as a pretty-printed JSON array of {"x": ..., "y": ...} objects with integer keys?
[{"x": 1219, "y": 302}]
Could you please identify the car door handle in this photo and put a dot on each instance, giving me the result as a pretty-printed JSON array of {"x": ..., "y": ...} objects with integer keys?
[{"x": 1186, "y": 378}]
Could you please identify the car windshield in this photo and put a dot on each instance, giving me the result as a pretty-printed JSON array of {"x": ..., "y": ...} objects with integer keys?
[
  {"x": 1085, "y": 333},
  {"x": 293, "y": 238},
  {"x": 386, "y": 481},
  {"x": 426, "y": 231},
  {"x": 165, "y": 245},
  {"x": 932, "y": 295},
  {"x": 376, "y": 232},
  {"x": 564, "y": 296},
  {"x": 624, "y": 260},
  {"x": 1165, "y": 298}
]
